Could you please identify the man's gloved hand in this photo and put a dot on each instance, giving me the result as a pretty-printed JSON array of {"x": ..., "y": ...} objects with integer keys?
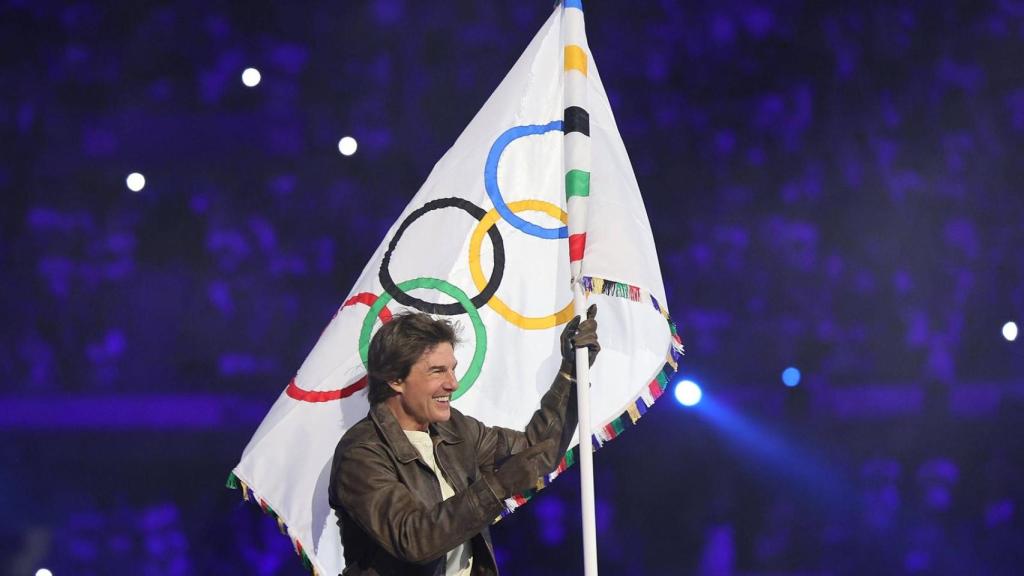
[
  {"x": 578, "y": 334},
  {"x": 520, "y": 472}
]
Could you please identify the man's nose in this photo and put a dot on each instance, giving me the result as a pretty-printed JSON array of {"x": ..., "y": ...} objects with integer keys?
[{"x": 452, "y": 382}]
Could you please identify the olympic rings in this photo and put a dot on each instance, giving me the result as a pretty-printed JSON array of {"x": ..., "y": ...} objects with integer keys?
[
  {"x": 315, "y": 396},
  {"x": 494, "y": 191},
  {"x": 476, "y": 270},
  {"x": 444, "y": 309},
  {"x": 479, "y": 331},
  {"x": 488, "y": 287}
]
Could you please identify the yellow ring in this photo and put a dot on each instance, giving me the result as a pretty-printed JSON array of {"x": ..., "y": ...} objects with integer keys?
[{"x": 476, "y": 270}]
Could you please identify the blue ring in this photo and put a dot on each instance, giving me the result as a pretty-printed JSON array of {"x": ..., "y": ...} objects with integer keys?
[{"x": 491, "y": 180}]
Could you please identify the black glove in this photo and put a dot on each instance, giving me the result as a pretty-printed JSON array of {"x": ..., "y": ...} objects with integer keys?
[
  {"x": 578, "y": 334},
  {"x": 520, "y": 472}
]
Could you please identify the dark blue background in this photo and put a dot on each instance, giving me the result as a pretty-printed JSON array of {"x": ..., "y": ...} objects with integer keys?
[{"x": 833, "y": 185}]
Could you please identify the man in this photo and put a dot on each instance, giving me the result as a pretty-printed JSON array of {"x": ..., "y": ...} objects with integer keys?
[{"x": 416, "y": 483}]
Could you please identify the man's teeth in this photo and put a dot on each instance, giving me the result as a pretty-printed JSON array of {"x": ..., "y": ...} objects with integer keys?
[{"x": 443, "y": 398}]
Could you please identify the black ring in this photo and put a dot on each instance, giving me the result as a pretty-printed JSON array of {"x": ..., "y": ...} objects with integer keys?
[{"x": 453, "y": 309}]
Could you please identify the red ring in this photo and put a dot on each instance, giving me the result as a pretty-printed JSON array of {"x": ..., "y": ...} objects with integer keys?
[{"x": 293, "y": 391}]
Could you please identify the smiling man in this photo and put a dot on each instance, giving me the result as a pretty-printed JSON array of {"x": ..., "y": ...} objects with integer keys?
[
  {"x": 416, "y": 483},
  {"x": 424, "y": 396}
]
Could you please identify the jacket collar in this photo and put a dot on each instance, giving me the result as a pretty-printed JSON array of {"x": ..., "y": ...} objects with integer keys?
[
  {"x": 446, "y": 432},
  {"x": 396, "y": 438}
]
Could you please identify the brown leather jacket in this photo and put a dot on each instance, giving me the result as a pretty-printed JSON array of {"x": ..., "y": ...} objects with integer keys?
[{"x": 388, "y": 501}]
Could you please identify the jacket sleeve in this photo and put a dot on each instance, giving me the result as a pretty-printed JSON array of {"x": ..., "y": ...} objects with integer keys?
[
  {"x": 365, "y": 482},
  {"x": 556, "y": 418}
]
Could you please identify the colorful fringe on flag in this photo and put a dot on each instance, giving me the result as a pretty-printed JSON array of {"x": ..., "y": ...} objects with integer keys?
[
  {"x": 634, "y": 410},
  {"x": 235, "y": 483}
]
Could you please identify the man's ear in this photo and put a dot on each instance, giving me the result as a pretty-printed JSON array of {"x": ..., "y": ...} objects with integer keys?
[{"x": 397, "y": 385}]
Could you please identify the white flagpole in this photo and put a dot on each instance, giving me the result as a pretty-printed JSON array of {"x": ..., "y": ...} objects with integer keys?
[
  {"x": 586, "y": 448},
  {"x": 576, "y": 125}
]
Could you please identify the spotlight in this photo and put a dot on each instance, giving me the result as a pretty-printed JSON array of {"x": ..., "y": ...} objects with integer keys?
[
  {"x": 688, "y": 393},
  {"x": 135, "y": 181},
  {"x": 791, "y": 377},
  {"x": 347, "y": 146},
  {"x": 1010, "y": 331},
  {"x": 251, "y": 77},
  {"x": 43, "y": 572}
]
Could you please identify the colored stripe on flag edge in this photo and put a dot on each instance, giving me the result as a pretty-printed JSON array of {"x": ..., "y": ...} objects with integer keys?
[
  {"x": 635, "y": 409},
  {"x": 234, "y": 482}
]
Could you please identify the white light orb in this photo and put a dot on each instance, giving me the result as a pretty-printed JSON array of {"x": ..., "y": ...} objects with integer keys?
[
  {"x": 688, "y": 393},
  {"x": 43, "y": 572},
  {"x": 251, "y": 77},
  {"x": 1010, "y": 331},
  {"x": 136, "y": 182},
  {"x": 347, "y": 146}
]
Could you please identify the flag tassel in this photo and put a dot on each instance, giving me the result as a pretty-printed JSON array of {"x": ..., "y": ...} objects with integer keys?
[{"x": 235, "y": 483}]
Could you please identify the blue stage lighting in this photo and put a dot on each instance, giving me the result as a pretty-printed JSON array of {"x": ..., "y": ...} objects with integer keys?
[
  {"x": 791, "y": 376},
  {"x": 688, "y": 393}
]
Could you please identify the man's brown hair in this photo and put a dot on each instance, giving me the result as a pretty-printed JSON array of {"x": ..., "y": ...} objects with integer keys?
[{"x": 398, "y": 344}]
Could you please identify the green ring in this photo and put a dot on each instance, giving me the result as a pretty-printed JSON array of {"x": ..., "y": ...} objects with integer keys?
[{"x": 479, "y": 331}]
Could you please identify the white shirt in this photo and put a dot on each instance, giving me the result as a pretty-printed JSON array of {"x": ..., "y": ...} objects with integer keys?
[{"x": 459, "y": 561}]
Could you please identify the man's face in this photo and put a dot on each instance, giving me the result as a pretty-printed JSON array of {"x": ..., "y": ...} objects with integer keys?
[{"x": 424, "y": 395}]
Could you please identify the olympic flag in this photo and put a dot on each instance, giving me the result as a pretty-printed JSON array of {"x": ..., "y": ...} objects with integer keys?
[{"x": 487, "y": 242}]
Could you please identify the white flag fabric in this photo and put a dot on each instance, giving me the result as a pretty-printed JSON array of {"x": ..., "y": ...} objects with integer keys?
[{"x": 486, "y": 243}]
